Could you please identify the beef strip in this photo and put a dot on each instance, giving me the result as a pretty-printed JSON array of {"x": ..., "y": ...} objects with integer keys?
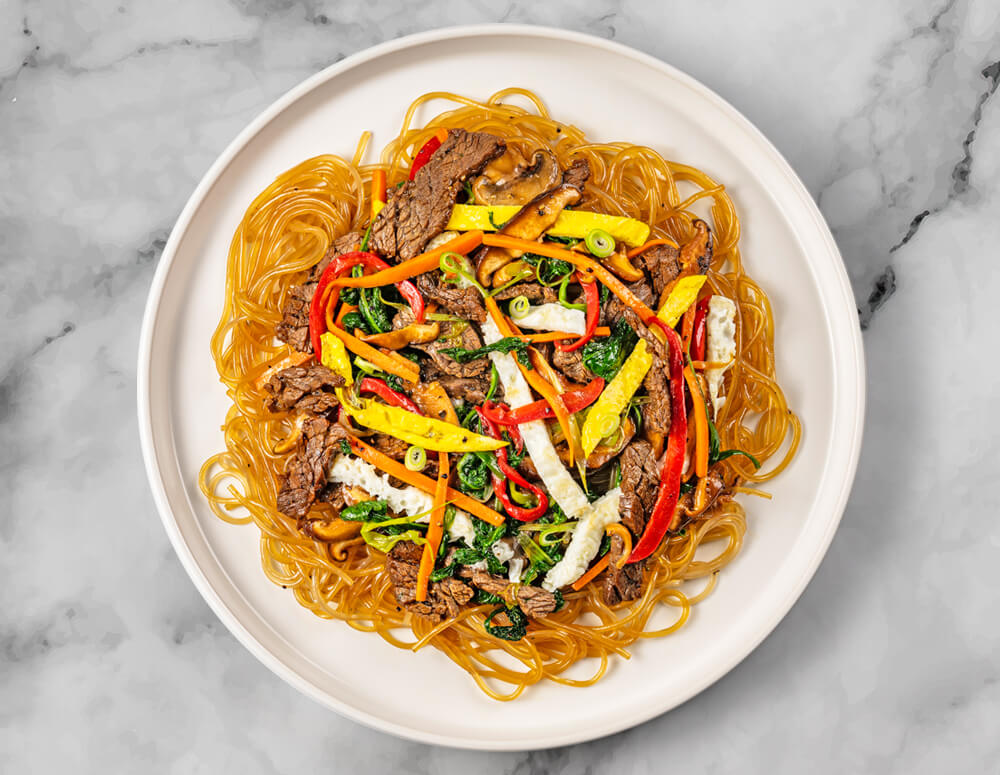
[
  {"x": 471, "y": 390},
  {"x": 615, "y": 307},
  {"x": 445, "y": 598},
  {"x": 390, "y": 445},
  {"x": 447, "y": 338},
  {"x": 306, "y": 476},
  {"x": 293, "y": 328},
  {"x": 639, "y": 485},
  {"x": 466, "y": 303},
  {"x": 664, "y": 263},
  {"x": 716, "y": 489},
  {"x": 304, "y": 388},
  {"x": 576, "y": 174},
  {"x": 535, "y": 293},
  {"x": 656, "y": 413},
  {"x": 420, "y": 208},
  {"x": 571, "y": 365},
  {"x": 534, "y": 601},
  {"x": 625, "y": 583}
]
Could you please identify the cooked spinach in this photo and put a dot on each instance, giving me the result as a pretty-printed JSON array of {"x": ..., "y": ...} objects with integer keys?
[
  {"x": 506, "y": 345},
  {"x": 605, "y": 356},
  {"x": 473, "y": 474},
  {"x": 345, "y": 447},
  {"x": 374, "y": 310},
  {"x": 487, "y": 598},
  {"x": 354, "y": 320},
  {"x": 548, "y": 270},
  {"x": 350, "y": 295},
  {"x": 514, "y": 631},
  {"x": 366, "y": 511},
  {"x": 714, "y": 443},
  {"x": 564, "y": 240},
  {"x": 560, "y": 600}
]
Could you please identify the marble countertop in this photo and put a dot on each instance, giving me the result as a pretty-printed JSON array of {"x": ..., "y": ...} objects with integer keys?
[{"x": 111, "y": 111}]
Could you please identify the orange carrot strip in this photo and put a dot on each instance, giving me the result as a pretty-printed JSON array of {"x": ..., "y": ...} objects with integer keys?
[
  {"x": 594, "y": 571},
  {"x": 435, "y": 529},
  {"x": 425, "y": 262},
  {"x": 426, "y": 484},
  {"x": 618, "y": 529},
  {"x": 378, "y": 189},
  {"x": 651, "y": 244},
  {"x": 344, "y": 310},
  {"x": 441, "y": 134},
  {"x": 411, "y": 373},
  {"x": 687, "y": 327},
  {"x": 700, "y": 425},
  {"x": 555, "y": 336}
]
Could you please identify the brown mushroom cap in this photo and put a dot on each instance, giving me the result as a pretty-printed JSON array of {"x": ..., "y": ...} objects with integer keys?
[{"x": 519, "y": 185}]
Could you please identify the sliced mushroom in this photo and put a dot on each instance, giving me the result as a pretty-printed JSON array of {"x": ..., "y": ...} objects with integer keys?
[
  {"x": 514, "y": 271},
  {"x": 414, "y": 333},
  {"x": 509, "y": 180},
  {"x": 330, "y": 529},
  {"x": 618, "y": 262}
]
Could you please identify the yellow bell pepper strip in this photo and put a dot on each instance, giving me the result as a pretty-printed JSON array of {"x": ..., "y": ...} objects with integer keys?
[
  {"x": 540, "y": 385},
  {"x": 700, "y": 411},
  {"x": 425, "y": 262},
  {"x": 378, "y": 192},
  {"x": 335, "y": 357},
  {"x": 409, "y": 372},
  {"x": 570, "y": 223},
  {"x": 426, "y": 432},
  {"x": 621, "y": 389},
  {"x": 426, "y": 484},
  {"x": 435, "y": 529}
]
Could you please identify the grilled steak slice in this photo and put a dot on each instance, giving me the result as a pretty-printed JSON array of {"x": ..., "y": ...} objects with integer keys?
[
  {"x": 420, "y": 208},
  {"x": 293, "y": 327},
  {"x": 621, "y": 584},
  {"x": 444, "y": 363},
  {"x": 535, "y": 292},
  {"x": 305, "y": 388},
  {"x": 571, "y": 364},
  {"x": 390, "y": 445},
  {"x": 534, "y": 601},
  {"x": 445, "y": 598},
  {"x": 640, "y": 482},
  {"x": 306, "y": 476},
  {"x": 467, "y": 303},
  {"x": 615, "y": 307}
]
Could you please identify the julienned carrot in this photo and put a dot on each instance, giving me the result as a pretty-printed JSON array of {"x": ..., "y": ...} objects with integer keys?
[
  {"x": 556, "y": 336},
  {"x": 425, "y": 262},
  {"x": 435, "y": 529},
  {"x": 651, "y": 244},
  {"x": 378, "y": 190},
  {"x": 687, "y": 327},
  {"x": 342, "y": 313},
  {"x": 587, "y": 267},
  {"x": 403, "y": 363},
  {"x": 700, "y": 424},
  {"x": 595, "y": 569},
  {"x": 421, "y": 482},
  {"x": 411, "y": 372},
  {"x": 618, "y": 529},
  {"x": 543, "y": 388}
]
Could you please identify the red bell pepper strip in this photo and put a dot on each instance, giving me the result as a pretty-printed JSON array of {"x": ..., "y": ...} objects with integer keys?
[
  {"x": 387, "y": 394},
  {"x": 513, "y": 475},
  {"x": 575, "y": 401},
  {"x": 698, "y": 337},
  {"x": 592, "y": 295},
  {"x": 662, "y": 518},
  {"x": 323, "y": 296},
  {"x": 425, "y": 153},
  {"x": 499, "y": 414}
]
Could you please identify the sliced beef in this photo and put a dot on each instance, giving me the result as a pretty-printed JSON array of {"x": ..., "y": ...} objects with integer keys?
[
  {"x": 449, "y": 336},
  {"x": 615, "y": 307},
  {"x": 471, "y": 390},
  {"x": 293, "y": 328},
  {"x": 656, "y": 414},
  {"x": 466, "y": 303},
  {"x": 306, "y": 476},
  {"x": 535, "y": 293},
  {"x": 662, "y": 263},
  {"x": 445, "y": 598},
  {"x": 419, "y": 209},
  {"x": 571, "y": 365},
  {"x": 534, "y": 601},
  {"x": 576, "y": 174},
  {"x": 305, "y": 388},
  {"x": 390, "y": 445},
  {"x": 716, "y": 489},
  {"x": 656, "y": 347},
  {"x": 640, "y": 482},
  {"x": 625, "y": 583}
]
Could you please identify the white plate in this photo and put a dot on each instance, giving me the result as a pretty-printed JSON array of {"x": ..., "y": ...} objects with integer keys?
[{"x": 613, "y": 93}]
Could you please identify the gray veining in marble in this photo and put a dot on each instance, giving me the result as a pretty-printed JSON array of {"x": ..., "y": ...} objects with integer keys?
[{"x": 110, "y": 112}]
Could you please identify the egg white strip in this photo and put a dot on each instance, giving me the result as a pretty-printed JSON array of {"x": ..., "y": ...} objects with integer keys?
[
  {"x": 586, "y": 541},
  {"x": 554, "y": 317},
  {"x": 720, "y": 344}
]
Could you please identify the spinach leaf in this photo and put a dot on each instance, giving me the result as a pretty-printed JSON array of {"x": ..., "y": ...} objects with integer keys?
[
  {"x": 560, "y": 600},
  {"x": 564, "y": 240},
  {"x": 354, "y": 320},
  {"x": 605, "y": 356},
  {"x": 350, "y": 295},
  {"x": 366, "y": 511},
  {"x": 473, "y": 474},
  {"x": 345, "y": 447},
  {"x": 715, "y": 454},
  {"x": 548, "y": 270},
  {"x": 487, "y": 598},
  {"x": 508, "y": 344},
  {"x": 374, "y": 310},
  {"x": 514, "y": 631}
]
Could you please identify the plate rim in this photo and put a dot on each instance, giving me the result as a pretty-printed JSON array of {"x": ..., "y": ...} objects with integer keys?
[{"x": 145, "y": 409}]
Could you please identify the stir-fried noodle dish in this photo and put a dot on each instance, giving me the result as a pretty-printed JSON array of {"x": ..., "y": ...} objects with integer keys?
[{"x": 501, "y": 393}]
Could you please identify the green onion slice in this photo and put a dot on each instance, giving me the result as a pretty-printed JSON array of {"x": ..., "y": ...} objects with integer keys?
[{"x": 600, "y": 243}]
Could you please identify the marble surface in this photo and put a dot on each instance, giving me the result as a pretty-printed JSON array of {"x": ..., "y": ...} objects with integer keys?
[{"x": 110, "y": 112}]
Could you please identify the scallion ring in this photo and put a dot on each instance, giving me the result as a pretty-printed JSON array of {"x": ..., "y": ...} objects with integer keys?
[
  {"x": 600, "y": 243},
  {"x": 564, "y": 301},
  {"x": 519, "y": 307},
  {"x": 416, "y": 458},
  {"x": 609, "y": 425}
]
